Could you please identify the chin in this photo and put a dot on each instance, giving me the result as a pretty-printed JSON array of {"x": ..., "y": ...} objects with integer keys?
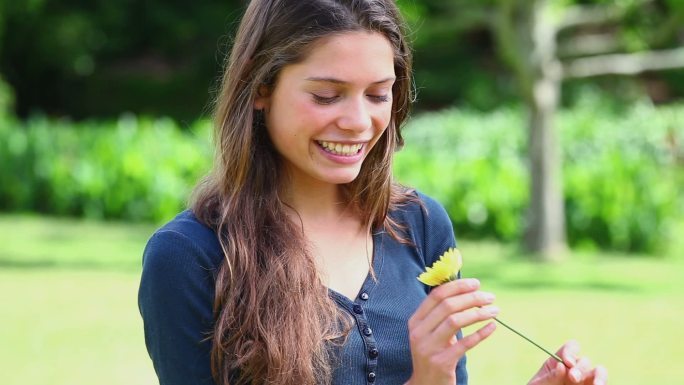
[{"x": 341, "y": 177}]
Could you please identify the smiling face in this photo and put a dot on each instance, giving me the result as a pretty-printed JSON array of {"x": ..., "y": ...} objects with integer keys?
[{"x": 326, "y": 113}]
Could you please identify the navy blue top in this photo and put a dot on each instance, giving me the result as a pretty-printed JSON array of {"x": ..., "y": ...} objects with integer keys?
[{"x": 176, "y": 295}]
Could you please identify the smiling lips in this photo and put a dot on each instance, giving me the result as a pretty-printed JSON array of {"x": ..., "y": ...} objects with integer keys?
[{"x": 340, "y": 148}]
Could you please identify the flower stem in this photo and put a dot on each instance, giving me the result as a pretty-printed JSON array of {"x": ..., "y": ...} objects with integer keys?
[{"x": 554, "y": 356}]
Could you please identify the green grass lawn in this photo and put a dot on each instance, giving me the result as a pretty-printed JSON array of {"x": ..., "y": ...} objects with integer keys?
[{"x": 70, "y": 315}]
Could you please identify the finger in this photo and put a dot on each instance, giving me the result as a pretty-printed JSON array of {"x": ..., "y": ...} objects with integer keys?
[
  {"x": 437, "y": 295},
  {"x": 470, "y": 341},
  {"x": 594, "y": 376},
  {"x": 600, "y": 376},
  {"x": 454, "y": 305},
  {"x": 584, "y": 368},
  {"x": 551, "y": 364},
  {"x": 553, "y": 372},
  {"x": 569, "y": 352},
  {"x": 581, "y": 371},
  {"x": 452, "y": 323}
]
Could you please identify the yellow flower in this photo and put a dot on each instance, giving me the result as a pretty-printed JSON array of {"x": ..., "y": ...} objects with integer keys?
[{"x": 444, "y": 270}]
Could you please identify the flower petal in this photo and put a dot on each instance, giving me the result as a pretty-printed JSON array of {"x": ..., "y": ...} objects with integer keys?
[{"x": 443, "y": 270}]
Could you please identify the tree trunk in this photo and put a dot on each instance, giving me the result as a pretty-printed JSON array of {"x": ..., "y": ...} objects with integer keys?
[
  {"x": 526, "y": 39},
  {"x": 545, "y": 232}
]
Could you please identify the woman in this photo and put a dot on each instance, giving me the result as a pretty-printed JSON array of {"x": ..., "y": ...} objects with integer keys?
[{"x": 297, "y": 261}]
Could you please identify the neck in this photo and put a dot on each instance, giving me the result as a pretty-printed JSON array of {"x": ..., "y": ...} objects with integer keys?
[
  {"x": 315, "y": 202},
  {"x": 318, "y": 201}
]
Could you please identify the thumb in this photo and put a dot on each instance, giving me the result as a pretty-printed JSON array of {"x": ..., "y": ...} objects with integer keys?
[
  {"x": 557, "y": 374},
  {"x": 552, "y": 376}
]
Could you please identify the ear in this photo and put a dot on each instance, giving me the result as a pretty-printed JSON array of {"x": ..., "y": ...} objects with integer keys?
[{"x": 263, "y": 99}]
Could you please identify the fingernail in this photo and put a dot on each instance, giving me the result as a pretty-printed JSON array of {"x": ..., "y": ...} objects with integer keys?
[
  {"x": 575, "y": 374},
  {"x": 472, "y": 282},
  {"x": 559, "y": 368},
  {"x": 492, "y": 310},
  {"x": 488, "y": 297}
]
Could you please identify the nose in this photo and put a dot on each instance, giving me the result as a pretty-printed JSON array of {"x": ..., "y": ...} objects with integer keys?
[{"x": 355, "y": 116}]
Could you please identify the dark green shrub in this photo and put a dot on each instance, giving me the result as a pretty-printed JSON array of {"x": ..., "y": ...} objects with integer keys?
[
  {"x": 138, "y": 169},
  {"x": 623, "y": 187},
  {"x": 622, "y": 176}
]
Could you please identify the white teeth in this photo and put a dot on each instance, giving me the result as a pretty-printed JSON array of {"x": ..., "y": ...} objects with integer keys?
[{"x": 341, "y": 149}]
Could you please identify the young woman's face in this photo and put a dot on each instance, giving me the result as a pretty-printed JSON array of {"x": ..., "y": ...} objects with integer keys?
[{"x": 325, "y": 113}]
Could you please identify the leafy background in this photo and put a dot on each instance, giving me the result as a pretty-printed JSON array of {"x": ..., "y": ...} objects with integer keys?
[{"x": 105, "y": 111}]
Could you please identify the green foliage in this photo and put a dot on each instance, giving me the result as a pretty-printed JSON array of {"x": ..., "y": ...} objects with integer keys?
[
  {"x": 138, "y": 169},
  {"x": 99, "y": 58},
  {"x": 472, "y": 163},
  {"x": 6, "y": 98},
  {"x": 621, "y": 179},
  {"x": 623, "y": 186},
  {"x": 622, "y": 175}
]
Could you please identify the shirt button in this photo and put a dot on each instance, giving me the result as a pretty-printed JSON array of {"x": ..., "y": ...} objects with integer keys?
[
  {"x": 358, "y": 309},
  {"x": 367, "y": 331},
  {"x": 371, "y": 377},
  {"x": 364, "y": 296},
  {"x": 373, "y": 353}
]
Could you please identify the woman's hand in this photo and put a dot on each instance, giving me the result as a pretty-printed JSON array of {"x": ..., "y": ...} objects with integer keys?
[
  {"x": 435, "y": 351},
  {"x": 580, "y": 372}
]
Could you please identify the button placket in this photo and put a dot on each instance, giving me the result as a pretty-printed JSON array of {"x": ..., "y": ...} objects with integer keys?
[
  {"x": 368, "y": 340},
  {"x": 373, "y": 353},
  {"x": 358, "y": 309}
]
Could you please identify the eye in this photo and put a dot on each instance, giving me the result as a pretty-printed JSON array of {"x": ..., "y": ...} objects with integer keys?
[
  {"x": 379, "y": 98},
  {"x": 325, "y": 100}
]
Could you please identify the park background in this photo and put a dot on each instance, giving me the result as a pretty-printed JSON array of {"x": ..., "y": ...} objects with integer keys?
[{"x": 105, "y": 111}]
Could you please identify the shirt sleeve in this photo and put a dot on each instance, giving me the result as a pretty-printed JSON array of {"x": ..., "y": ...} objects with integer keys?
[
  {"x": 175, "y": 300},
  {"x": 438, "y": 237}
]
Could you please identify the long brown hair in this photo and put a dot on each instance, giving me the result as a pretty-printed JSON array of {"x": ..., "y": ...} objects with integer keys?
[{"x": 274, "y": 320}]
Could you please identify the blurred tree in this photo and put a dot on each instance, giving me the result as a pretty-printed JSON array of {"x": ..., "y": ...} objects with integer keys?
[
  {"x": 85, "y": 58},
  {"x": 6, "y": 94},
  {"x": 528, "y": 34},
  {"x": 544, "y": 42},
  {"x": 455, "y": 59},
  {"x": 101, "y": 57}
]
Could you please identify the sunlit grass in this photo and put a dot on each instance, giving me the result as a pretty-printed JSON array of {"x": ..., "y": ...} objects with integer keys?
[
  {"x": 66, "y": 327},
  {"x": 70, "y": 314},
  {"x": 33, "y": 242},
  {"x": 625, "y": 311}
]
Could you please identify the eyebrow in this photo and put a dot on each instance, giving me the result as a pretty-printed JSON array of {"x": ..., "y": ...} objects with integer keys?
[{"x": 338, "y": 81}]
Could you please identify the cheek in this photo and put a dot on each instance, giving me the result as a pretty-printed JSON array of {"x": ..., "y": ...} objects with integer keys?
[
  {"x": 383, "y": 120},
  {"x": 381, "y": 124},
  {"x": 307, "y": 116}
]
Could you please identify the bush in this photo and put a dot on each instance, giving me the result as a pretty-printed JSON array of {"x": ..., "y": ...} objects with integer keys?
[
  {"x": 136, "y": 169},
  {"x": 6, "y": 99},
  {"x": 622, "y": 183},
  {"x": 621, "y": 174},
  {"x": 472, "y": 163}
]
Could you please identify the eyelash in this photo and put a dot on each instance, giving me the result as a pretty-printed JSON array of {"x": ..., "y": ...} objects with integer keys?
[{"x": 330, "y": 100}]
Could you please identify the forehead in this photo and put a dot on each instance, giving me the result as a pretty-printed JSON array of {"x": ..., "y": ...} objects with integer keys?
[{"x": 353, "y": 57}]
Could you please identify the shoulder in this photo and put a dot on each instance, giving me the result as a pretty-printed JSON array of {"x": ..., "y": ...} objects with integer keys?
[
  {"x": 176, "y": 296},
  {"x": 182, "y": 246},
  {"x": 426, "y": 223},
  {"x": 422, "y": 210}
]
